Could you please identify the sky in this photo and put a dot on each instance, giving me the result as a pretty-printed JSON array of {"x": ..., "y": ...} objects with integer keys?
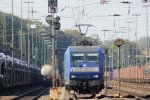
[{"x": 99, "y": 16}]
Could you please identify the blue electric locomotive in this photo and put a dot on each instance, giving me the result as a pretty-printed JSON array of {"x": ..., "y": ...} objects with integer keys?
[{"x": 84, "y": 69}]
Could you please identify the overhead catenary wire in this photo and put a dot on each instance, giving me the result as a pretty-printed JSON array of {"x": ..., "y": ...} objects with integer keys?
[
  {"x": 84, "y": 5},
  {"x": 89, "y": 11}
]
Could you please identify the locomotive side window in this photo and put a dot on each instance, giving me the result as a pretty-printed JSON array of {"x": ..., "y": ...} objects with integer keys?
[{"x": 91, "y": 57}]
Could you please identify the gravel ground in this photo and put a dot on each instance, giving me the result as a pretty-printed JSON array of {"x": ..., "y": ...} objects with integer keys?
[{"x": 61, "y": 95}]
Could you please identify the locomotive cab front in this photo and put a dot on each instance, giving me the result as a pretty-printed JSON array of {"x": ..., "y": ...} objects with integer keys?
[{"x": 85, "y": 69}]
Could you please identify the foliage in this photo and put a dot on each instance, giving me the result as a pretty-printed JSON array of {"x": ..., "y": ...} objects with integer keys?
[
  {"x": 142, "y": 47},
  {"x": 128, "y": 54},
  {"x": 6, "y": 34}
]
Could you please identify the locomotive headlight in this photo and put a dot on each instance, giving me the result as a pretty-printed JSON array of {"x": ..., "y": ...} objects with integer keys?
[
  {"x": 84, "y": 65},
  {"x": 73, "y": 76},
  {"x": 95, "y": 76}
]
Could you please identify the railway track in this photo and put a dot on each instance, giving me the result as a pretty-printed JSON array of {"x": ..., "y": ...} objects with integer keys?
[
  {"x": 32, "y": 95},
  {"x": 142, "y": 85},
  {"x": 127, "y": 94},
  {"x": 100, "y": 96},
  {"x": 136, "y": 86},
  {"x": 112, "y": 95}
]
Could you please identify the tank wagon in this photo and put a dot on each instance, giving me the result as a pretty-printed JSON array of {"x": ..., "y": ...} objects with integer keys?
[
  {"x": 84, "y": 69},
  {"x": 18, "y": 74},
  {"x": 46, "y": 72}
]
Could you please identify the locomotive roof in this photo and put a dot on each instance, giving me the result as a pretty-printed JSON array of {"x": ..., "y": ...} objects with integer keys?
[{"x": 83, "y": 48}]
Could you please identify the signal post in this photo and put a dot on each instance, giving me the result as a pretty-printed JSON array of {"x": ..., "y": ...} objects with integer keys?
[
  {"x": 119, "y": 42},
  {"x": 54, "y": 25}
]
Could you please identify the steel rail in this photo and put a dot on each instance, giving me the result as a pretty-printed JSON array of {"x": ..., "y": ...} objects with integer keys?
[
  {"x": 135, "y": 95},
  {"x": 134, "y": 86},
  {"x": 24, "y": 95}
]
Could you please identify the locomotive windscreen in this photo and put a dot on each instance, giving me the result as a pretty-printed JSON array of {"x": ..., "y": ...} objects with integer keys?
[
  {"x": 77, "y": 57},
  {"x": 91, "y": 57},
  {"x": 88, "y": 59}
]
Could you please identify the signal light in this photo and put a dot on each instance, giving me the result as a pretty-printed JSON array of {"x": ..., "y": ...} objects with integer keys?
[{"x": 57, "y": 23}]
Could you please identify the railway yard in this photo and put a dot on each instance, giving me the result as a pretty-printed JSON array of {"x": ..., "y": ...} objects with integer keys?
[
  {"x": 74, "y": 50},
  {"x": 129, "y": 91}
]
